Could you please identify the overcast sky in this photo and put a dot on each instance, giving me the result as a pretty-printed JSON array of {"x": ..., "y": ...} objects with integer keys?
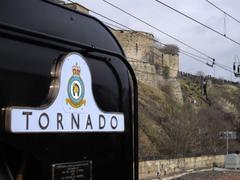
[{"x": 223, "y": 50}]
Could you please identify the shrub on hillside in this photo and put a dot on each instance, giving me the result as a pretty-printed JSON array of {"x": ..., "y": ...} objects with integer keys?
[{"x": 170, "y": 49}]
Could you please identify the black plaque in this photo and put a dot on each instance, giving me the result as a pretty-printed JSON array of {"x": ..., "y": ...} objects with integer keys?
[{"x": 72, "y": 171}]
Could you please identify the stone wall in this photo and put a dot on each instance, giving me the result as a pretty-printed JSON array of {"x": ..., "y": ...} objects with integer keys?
[
  {"x": 172, "y": 62},
  {"x": 138, "y": 47},
  {"x": 135, "y": 44},
  {"x": 175, "y": 166},
  {"x": 150, "y": 64}
]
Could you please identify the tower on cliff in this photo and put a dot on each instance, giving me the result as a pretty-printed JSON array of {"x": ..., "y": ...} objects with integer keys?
[{"x": 154, "y": 65}]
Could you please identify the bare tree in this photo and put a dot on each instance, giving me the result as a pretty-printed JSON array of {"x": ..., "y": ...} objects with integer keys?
[
  {"x": 170, "y": 49},
  {"x": 200, "y": 73},
  {"x": 182, "y": 129}
]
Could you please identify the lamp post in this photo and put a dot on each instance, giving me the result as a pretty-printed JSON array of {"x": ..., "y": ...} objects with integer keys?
[{"x": 227, "y": 142}]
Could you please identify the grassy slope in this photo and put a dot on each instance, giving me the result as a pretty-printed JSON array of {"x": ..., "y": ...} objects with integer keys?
[
  {"x": 151, "y": 112},
  {"x": 169, "y": 130}
]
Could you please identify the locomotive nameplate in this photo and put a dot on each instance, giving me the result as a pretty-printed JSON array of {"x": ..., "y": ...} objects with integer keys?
[
  {"x": 72, "y": 107},
  {"x": 72, "y": 171}
]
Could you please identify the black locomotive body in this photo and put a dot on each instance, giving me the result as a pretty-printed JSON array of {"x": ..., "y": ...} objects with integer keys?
[{"x": 35, "y": 37}]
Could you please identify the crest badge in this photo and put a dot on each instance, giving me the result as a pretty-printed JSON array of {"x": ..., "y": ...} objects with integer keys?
[
  {"x": 72, "y": 106},
  {"x": 75, "y": 89}
]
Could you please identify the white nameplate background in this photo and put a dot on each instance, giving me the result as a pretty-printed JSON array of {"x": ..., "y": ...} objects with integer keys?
[{"x": 74, "y": 108}]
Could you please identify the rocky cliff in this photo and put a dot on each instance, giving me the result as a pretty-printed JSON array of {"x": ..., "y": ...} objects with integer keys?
[{"x": 169, "y": 130}]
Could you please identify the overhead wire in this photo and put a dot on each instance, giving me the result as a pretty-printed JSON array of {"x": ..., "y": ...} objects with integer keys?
[
  {"x": 120, "y": 24},
  {"x": 132, "y": 59},
  {"x": 229, "y": 15},
  {"x": 112, "y": 25},
  {"x": 194, "y": 58},
  {"x": 225, "y": 24},
  {"x": 202, "y": 24},
  {"x": 221, "y": 66},
  {"x": 108, "y": 19},
  {"x": 191, "y": 55},
  {"x": 94, "y": 12},
  {"x": 159, "y": 30},
  {"x": 182, "y": 51}
]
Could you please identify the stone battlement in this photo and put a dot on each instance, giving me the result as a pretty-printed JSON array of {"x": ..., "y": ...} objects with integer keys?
[{"x": 151, "y": 64}]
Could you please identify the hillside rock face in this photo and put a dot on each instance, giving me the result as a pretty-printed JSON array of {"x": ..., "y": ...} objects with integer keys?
[
  {"x": 175, "y": 118},
  {"x": 170, "y": 130}
]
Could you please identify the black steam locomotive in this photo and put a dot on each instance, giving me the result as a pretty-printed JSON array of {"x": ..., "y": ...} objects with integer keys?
[{"x": 68, "y": 97}]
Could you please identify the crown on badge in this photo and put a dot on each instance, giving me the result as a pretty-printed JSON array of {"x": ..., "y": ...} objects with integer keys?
[{"x": 76, "y": 69}]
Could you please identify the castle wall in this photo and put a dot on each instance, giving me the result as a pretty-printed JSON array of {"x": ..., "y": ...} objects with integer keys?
[
  {"x": 138, "y": 47},
  {"x": 171, "y": 61},
  {"x": 150, "y": 64}
]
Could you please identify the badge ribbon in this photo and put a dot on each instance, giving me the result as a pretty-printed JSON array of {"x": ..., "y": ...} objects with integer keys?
[{"x": 76, "y": 105}]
